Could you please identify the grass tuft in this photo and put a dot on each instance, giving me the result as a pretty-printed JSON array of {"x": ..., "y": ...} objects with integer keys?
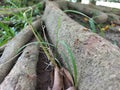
[
  {"x": 91, "y": 21},
  {"x": 72, "y": 58}
]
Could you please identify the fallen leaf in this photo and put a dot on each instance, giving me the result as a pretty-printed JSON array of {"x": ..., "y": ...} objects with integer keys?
[
  {"x": 71, "y": 88},
  {"x": 119, "y": 29},
  {"x": 105, "y": 28},
  {"x": 67, "y": 75},
  {"x": 58, "y": 80},
  {"x": 49, "y": 88},
  {"x": 113, "y": 25},
  {"x": 85, "y": 29},
  {"x": 86, "y": 19}
]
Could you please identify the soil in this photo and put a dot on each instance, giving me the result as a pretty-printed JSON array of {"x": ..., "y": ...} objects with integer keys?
[{"x": 43, "y": 72}]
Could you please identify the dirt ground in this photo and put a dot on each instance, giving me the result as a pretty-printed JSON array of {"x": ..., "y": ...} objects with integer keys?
[{"x": 43, "y": 72}]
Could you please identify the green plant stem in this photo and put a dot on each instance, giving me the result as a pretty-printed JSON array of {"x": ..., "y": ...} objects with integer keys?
[
  {"x": 73, "y": 61},
  {"x": 44, "y": 49},
  {"x": 73, "y": 11},
  {"x": 39, "y": 38},
  {"x": 91, "y": 21}
]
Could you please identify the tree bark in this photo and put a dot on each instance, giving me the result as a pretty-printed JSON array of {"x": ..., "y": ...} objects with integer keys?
[
  {"x": 8, "y": 57},
  {"x": 106, "y": 9},
  {"x": 23, "y": 74},
  {"x": 2, "y": 48},
  {"x": 99, "y": 17},
  {"x": 97, "y": 59}
]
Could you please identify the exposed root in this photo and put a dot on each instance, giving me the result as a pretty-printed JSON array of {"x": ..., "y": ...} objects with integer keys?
[
  {"x": 23, "y": 74},
  {"x": 15, "y": 44},
  {"x": 96, "y": 58}
]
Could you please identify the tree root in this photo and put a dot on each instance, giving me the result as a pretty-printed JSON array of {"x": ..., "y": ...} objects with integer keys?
[
  {"x": 97, "y": 59},
  {"x": 13, "y": 46},
  {"x": 2, "y": 48},
  {"x": 99, "y": 17},
  {"x": 91, "y": 10},
  {"x": 23, "y": 74},
  {"x": 106, "y": 9}
]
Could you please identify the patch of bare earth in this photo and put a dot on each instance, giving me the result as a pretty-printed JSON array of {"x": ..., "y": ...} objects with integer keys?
[{"x": 43, "y": 72}]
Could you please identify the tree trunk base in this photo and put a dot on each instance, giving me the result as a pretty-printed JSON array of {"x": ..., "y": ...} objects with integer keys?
[{"x": 97, "y": 59}]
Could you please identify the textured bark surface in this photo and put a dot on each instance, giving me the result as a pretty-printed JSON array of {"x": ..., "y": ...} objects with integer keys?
[
  {"x": 99, "y": 17},
  {"x": 6, "y": 61},
  {"x": 106, "y": 9},
  {"x": 2, "y": 48},
  {"x": 98, "y": 61},
  {"x": 23, "y": 74}
]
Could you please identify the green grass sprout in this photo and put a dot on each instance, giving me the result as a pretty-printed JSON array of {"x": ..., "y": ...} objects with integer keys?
[
  {"x": 72, "y": 58},
  {"x": 91, "y": 21}
]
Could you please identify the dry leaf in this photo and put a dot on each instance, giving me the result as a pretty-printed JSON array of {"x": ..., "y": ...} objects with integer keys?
[
  {"x": 105, "y": 28},
  {"x": 68, "y": 76},
  {"x": 113, "y": 25},
  {"x": 58, "y": 79},
  {"x": 86, "y": 19},
  {"x": 119, "y": 29},
  {"x": 71, "y": 88},
  {"x": 49, "y": 88},
  {"x": 85, "y": 29}
]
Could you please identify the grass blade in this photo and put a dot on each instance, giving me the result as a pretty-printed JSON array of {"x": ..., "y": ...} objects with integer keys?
[
  {"x": 67, "y": 62},
  {"x": 92, "y": 25},
  {"x": 72, "y": 58}
]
